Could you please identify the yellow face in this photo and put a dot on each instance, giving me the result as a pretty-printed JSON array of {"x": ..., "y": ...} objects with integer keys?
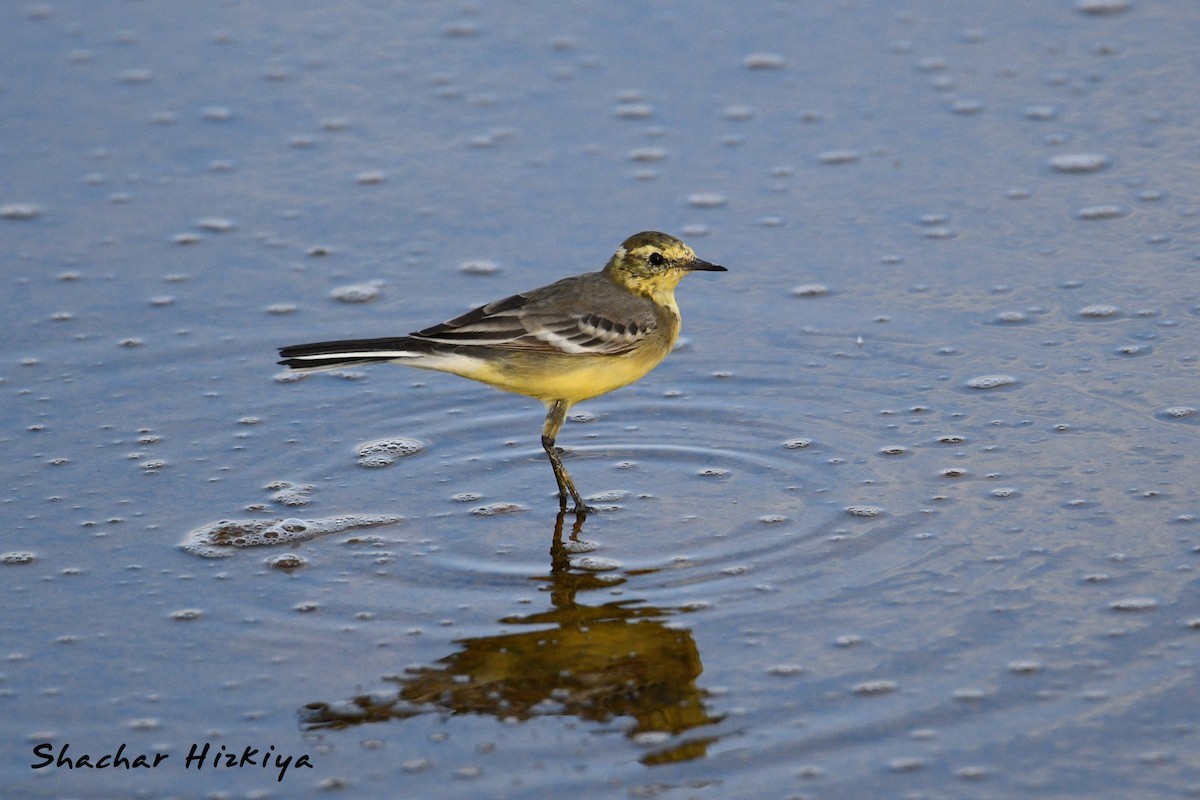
[{"x": 653, "y": 263}]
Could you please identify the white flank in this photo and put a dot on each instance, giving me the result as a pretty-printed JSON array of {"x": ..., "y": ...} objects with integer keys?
[{"x": 364, "y": 354}]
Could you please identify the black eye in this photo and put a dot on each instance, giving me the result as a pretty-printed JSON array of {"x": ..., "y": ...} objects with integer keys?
[{"x": 656, "y": 259}]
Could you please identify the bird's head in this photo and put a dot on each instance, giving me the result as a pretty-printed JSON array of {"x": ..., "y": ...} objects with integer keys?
[{"x": 651, "y": 262}]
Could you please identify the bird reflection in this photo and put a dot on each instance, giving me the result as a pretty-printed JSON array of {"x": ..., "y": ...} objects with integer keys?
[{"x": 594, "y": 662}]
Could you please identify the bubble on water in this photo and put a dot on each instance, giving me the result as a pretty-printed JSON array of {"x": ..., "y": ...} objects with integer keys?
[
  {"x": 647, "y": 154},
  {"x": 215, "y": 224},
  {"x": 1079, "y": 162},
  {"x": 370, "y": 177},
  {"x": 1011, "y": 317},
  {"x": 287, "y": 561},
  {"x": 1024, "y": 667},
  {"x": 634, "y": 110},
  {"x": 951, "y": 439},
  {"x": 577, "y": 546},
  {"x": 955, "y": 472},
  {"x": 810, "y": 290},
  {"x": 772, "y": 519},
  {"x": 135, "y": 76},
  {"x": 839, "y": 156},
  {"x": 893, "y": 450},
  {"x": 290, "y": 494},
  {"x": 1177, "y": 412},
  {"x": 186, "y": 614},
  {"x": 1098, "y": 311},
  {"x": 875, "y": 688},
  {"x": 1102, "y": 211},
  {"x": 713, "y": 472},
  {"x": 497, "y": 509},
  {"x": 596, "y": 564},
  {"x": 1040, "y": 112},
  {"x": 1133, "y": 350},
  {"x": 466, "y": 497},
  {"x": 1004, "y": 492},
  {"x": 651, "y": 738},
  {"x": 479, "y": 266},
  {"x": 706, "y": 200},
  {"x": 966, "y": 106},
  {"x": 764, "y": 61},
  {"x": 611, "y": 496},
  {"x": 20, "y": 211},
  {"x": 356, "y": 293},
  {"x": 1100, "y": 8},
  {"x": 785, "y": 670},
  {"x": 218, "y": 539},
  {"x": 991, "y": 381},
  {"x": 384, "y": 452},
  {"x": 17, "y": 557},
  {"x": 1134, "y": 604},
  {"x": 798, "y": 444},
  {"x": 864, "y": 511}
]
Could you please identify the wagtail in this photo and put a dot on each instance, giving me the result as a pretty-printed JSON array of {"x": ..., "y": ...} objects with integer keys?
[{"x": 573, "y": 340}]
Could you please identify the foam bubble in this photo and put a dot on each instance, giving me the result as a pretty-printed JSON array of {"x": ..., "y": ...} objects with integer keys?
[
  {"x": 384, "y": 452},
  {"x": 217, "y": 539},
  {"x": 991, "y": 381}
]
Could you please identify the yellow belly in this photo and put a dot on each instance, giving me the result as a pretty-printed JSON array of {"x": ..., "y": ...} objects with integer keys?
[{"x": 563, "y": 378}]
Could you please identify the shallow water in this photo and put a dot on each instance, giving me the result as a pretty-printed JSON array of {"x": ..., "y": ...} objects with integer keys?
[{"x": 912, "y": 512}]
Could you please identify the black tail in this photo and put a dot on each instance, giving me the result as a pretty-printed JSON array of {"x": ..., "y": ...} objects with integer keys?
[{"x": 318, "y": 355}]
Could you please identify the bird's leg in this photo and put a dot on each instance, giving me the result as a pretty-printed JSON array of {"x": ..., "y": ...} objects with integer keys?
[{"x": 554, "y": 422}]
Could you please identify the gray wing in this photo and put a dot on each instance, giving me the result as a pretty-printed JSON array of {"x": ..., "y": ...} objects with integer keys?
[{"x": 587, "y": 315}]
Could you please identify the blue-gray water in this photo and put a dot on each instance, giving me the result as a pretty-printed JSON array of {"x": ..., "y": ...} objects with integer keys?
[{"x": 912, "y": 513}]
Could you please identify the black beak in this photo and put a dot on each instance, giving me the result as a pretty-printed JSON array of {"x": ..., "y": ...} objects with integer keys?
[{"x": 703, "y": 266}]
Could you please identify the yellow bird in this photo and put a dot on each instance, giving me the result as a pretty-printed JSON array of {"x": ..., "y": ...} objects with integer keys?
[{"x": 572, "y": 340}]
